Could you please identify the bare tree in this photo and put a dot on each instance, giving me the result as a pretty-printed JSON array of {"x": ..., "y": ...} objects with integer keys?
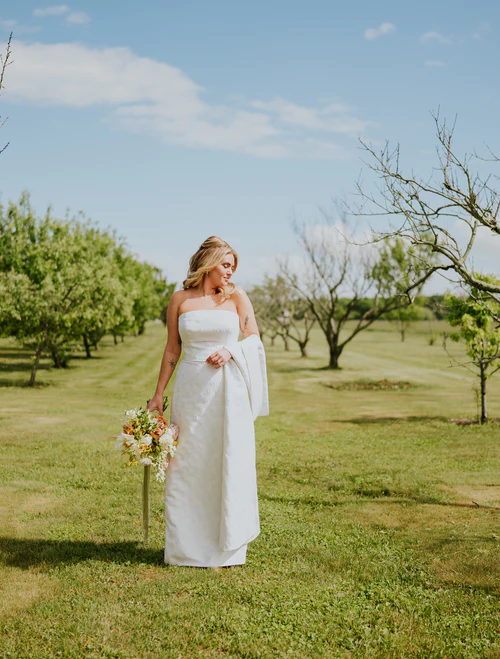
[
  {"x": 444, "y": 213},
  {"x": 281, "y": 313},
  {"x": 337, "y": 276},
  {"x": 4, "y": 63}
]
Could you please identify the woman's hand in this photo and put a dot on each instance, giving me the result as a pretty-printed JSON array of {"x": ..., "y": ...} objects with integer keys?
[
  {"x": 219, "y": 358},
  {"x": 156, "y": 403}
]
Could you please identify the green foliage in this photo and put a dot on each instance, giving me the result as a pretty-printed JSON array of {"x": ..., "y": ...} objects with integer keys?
[
  {"x": 64, "y": 281},
  {"x": 475, "y": 316}
]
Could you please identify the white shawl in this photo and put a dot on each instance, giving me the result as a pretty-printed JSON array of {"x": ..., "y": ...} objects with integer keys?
[{"x": 245, "y": 378}]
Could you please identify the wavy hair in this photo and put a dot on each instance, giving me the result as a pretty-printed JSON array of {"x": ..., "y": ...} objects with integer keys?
[{"x": 210, "y": 254}]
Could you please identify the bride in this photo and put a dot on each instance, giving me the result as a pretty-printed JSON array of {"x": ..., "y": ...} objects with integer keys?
[{"x": 211, "y": 508}]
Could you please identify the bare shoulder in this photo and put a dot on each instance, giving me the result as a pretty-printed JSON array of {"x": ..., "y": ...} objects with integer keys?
[
  {"x": 179, "y": 297},
  {"x": 240, "y": 298},
  {"x": 239, "y": 294}
]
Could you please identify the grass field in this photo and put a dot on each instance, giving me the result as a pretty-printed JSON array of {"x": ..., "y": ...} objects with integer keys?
[{"x": 380, "y": 517}]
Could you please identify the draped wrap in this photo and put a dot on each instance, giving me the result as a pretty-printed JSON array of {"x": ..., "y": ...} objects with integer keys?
[{"x": 240, "y": 510}]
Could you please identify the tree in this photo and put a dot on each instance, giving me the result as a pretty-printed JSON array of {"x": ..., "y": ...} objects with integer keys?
[
  {"x": 56, "y": 281},
  {"x": 475, "y": 318},
  {"x": 62, "y": 282},
  {"x": 280, "y": 312},
  {"x": 446, "y": 212},
  {"x": 403, "y": 317},
  {"x": 4, "y": 63},
  {"x": 337, "y": 274}
]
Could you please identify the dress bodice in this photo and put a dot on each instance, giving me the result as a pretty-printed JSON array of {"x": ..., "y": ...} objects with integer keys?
[{"x": 203, "y": 331}]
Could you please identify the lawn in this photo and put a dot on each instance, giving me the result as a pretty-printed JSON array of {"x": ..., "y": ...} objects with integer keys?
[{"x": 380, "y": 514}]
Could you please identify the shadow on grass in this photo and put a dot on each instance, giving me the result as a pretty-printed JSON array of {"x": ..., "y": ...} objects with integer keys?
[
  {"x": 50, "y": 553},
  {"x": 24, "y": 383},
  {"x": 377, "y": 497},
  {"x": 371, "y": 420}
]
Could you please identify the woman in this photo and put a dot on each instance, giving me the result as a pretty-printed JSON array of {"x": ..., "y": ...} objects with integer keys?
[{"x": 211, "y": 508}]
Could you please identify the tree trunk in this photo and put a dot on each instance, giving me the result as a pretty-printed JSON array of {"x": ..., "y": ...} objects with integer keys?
[
  {"x": 35, "y": 364},
  {"x": 272, "y": 340},
  {"x": 484, "y": 413},
  {"x": 286, "y": 342},
  {"x": 335, "y": 353},
  {"x": 115, "y": 339},
  {"x": 403, "y": 334},
  {"x": 123, "y": 338},
  {"x": 87, "y": 346},
  {"x": 302, "y": 346},
  {"x": 56, "y": 359}
]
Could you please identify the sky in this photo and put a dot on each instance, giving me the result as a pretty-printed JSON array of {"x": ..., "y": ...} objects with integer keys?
[{"x": 173, "y": 121}]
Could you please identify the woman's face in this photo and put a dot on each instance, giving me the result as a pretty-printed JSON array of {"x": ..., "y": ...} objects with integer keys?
[{"x": 222, "y": 273}]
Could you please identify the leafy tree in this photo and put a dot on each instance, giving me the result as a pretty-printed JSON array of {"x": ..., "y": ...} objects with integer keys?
[
  {"x": 66, "y": 281},
  {"x": 475, "y": 317}
]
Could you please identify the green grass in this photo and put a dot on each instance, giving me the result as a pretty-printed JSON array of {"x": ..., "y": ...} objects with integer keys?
[{"x": 380, "y": 520}]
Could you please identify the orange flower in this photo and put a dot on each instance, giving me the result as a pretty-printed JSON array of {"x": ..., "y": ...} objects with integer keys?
[{"x": 128, "y": 430}]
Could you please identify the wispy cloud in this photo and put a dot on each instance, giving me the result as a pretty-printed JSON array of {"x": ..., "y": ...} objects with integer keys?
[
  {"x": 435, "y": 37},
  {"x": 54, "y": 10},
  {"x": 330, "y": 118},
  {"x": 12, "y": 25},
  {"x": 9, "y": 23},
  {"x": 434, "y": 63},
  {"x": 77, "y": 18},
  {"x": 381, "y": 31},
  {"x": 147, "y": 95}
]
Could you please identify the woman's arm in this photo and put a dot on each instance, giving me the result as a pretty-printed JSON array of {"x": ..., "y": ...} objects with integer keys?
[
  {"x": 248, "y": 324},
  {"x": 171, "y": 354}
]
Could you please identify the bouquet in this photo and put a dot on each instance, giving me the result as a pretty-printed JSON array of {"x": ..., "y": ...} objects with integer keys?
[{"x": 148, "y": 440}]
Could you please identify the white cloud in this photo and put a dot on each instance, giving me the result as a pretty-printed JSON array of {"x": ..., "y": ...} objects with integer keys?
[
  {"x": 9, "y": 23},
  {"x": 143, "y": 94},
  {"x": 77, "y": 18},
  {"x": 435, "y": 37},
  {"x": 54, "y": 10},
  {"x": 434, "y": 63},
  {"x": 330, "y": 118},
  {"x": 380, "y": 31},
  {"x": 14, "y": 25}
]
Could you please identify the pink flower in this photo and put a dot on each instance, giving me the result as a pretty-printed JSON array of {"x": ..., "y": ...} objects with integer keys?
[{"x": 174, "y": 431}]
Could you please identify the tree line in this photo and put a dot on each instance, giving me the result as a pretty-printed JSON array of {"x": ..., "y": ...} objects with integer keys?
[{"x": 69, "y": 282}]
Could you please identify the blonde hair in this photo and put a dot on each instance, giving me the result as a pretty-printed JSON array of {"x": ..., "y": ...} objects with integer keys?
[{"x": 210, "y": 254}]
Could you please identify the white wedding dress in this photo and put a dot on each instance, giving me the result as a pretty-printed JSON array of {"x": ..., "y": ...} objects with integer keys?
[{"x": 211, "y": 507}]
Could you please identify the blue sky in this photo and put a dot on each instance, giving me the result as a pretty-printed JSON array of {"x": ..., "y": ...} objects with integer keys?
[{"x": 172, "y": 121}]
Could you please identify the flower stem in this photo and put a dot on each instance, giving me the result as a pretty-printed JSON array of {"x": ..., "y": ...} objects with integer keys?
[{"x": 145, "y": 502}]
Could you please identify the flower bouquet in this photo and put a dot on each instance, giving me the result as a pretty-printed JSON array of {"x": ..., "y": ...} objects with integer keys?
[{"x": 150, "y": 441}]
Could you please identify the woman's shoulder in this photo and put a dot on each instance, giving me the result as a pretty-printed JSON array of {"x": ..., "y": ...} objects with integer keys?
[
  {"x": 237, "y": 291},
  {"x": 239, "y": 295},
  {"x": 179, "y": 297}
]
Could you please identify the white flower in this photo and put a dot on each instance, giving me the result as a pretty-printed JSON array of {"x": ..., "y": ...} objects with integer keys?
[
  {"x": 130, "y": 415},
  {"x": 124, "y": 441},
  {"x": 146, "y": 461},
  {"x": 165, "y": 440},
  {"x": 147, "y": 439}
]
